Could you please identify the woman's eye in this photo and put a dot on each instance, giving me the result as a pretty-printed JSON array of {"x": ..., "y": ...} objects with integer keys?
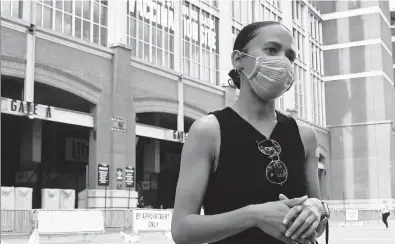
[{"x": 271, "y": 50}]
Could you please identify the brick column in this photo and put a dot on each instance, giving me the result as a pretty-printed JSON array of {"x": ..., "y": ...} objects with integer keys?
[{"x": 113, "y": 147}]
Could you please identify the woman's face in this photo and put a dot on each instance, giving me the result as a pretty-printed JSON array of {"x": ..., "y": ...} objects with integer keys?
[{"x": 273, "y": 40}]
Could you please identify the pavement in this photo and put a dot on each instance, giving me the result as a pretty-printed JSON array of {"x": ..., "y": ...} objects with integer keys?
[
  {"x": 106, "y": 238},
  {"x": 351, "y": 234}
]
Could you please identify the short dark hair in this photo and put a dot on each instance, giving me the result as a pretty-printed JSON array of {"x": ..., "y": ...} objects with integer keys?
[{"x": 248, "y": 33}]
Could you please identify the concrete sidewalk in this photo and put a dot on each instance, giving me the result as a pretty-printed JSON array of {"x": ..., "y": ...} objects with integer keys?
[
  {"x": 110, "y": 238},
  {"x": 373, "y": 232}
]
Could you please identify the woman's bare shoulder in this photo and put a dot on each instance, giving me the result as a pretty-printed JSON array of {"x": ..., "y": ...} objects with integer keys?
[{"x": 207, "y": 126}]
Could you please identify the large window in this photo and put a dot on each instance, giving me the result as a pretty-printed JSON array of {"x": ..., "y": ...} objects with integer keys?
[
  {"x": 235, "y": 33},
  {"x": 316, "y": 69},
  {"x": 242, "y": 11},
  {"x": 300, "y": 73},
  {"x": 212, "y": 3},
  {"x": 299, "y": 44},
  {"x": 270, "y": 10},
  {"x": 297, "y": 12},
  {"x": 151, "y": 31},
  {"x": 82, "y": 19},
  {"x": 11, "y": 8},
  {"x": 300, "y": 94},
  {"x": 200, "y": 34}
]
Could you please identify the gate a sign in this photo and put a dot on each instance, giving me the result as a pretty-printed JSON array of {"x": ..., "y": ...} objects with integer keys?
[{"x": 103, "y": 175}]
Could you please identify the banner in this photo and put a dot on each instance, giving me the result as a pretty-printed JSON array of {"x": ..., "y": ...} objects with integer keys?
[
  {"x": 200, "y": 27},
  {"x": 157, "y": 12}
]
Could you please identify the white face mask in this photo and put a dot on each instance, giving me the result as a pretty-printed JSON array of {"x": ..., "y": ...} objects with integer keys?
[{"x": 271, "y": 77}]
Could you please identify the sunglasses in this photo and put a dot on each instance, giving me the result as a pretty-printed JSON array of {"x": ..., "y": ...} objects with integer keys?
[{"x": 276, "y": 170}]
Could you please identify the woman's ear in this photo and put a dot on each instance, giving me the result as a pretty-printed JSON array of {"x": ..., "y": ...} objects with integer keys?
[{"x": 236, "y": 60}]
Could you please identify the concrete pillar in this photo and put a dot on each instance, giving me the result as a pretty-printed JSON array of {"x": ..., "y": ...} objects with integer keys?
[
  {"x": 359, "y": 94},
  {"x": 286, "y": 8},
  {"x": 114, "y": 139},
  {"x": 226, "y": 47},
  {"x": 28, "y": 90},
  {"x": 117, "y": 22},
  {"x": 31, "y": 143},
  {"x": 151, "y": 158}
]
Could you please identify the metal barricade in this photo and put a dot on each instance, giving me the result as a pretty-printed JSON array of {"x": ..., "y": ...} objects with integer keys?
[
  {"x": 117, "y": 218},
  {"x": 365, "y": 216},
  {"x": 16, "y": 221}
]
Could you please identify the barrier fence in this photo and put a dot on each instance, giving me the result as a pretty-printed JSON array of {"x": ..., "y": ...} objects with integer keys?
[
  {"x": 85, "y": 220},
  {"x": 16, "y": 221},
  {"x": 93, "y": 220}
]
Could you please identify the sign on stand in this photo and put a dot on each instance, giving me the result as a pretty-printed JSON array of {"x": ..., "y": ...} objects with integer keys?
[
  {"x": 103, "y": 175},
  {"x": 352, "y": 215},
  {"x": 129, "y": 176},
  {"x": 129, "y": 179},
  {"x": 103, "y": 179},
  {"x": 151, "y": 220}
]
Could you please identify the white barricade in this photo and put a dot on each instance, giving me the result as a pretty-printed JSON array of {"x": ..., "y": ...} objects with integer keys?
[
  {"x": 23, "y": 198},
  {"x": 67, "y": 199},
  {"x": 70, "y": 221},
  {"x": 50, "y": 198},
  {"x": 7, "y": 198},
  {"x": 151, "y": 220}
]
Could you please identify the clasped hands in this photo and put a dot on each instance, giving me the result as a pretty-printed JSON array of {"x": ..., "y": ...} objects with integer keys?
[
  {"x": 290, "y": 220},
  {"x": 302, "y": 219}
]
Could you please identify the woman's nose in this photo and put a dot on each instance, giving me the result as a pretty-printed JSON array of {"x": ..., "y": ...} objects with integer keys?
[{"x": 281, "y": 53}]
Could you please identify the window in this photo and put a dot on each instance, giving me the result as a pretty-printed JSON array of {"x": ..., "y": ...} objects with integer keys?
[
  {"x": 316, "y": 68},
  {"x": 269, "y": 15},
  {"x": 151, "y": 31},
  {"x": 300, "y": 94},
  {"x": 297, "y": 12},
  {"x": 241, "y": 12},
  {"x": 11, "y": 8},
  {"x": 212, "y": 3},
  {"x": 200, "y": 34},
  {"x": 299, "y": 44},
  {"x": 82, "y": 19},
  {"x": 235, "y": 32},
  {"x": 274, "y": 3},
  {"x": 270, "y": 10}
]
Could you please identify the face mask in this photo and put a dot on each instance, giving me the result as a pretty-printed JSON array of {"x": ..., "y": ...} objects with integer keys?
[{"x": 271, "y": 77}]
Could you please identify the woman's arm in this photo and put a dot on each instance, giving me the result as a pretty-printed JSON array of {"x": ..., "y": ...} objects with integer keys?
[
  {"x": 309, "y": 136},
  {"x": 309, "y": 214},
  {"x": 198, "y": 156}
]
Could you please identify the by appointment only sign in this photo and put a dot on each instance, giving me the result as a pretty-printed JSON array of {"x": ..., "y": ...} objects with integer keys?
[{"x": 151, "y": 220}]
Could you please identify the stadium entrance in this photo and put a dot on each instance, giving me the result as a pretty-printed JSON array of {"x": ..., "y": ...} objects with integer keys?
[
  {"x": 158, "y": 156},
  {"x": 45, "y": 143}
]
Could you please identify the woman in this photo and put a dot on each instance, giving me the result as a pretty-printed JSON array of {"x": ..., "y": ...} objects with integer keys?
[
  {"x": 237, "y": 161},
  {"x": 385, "y": 213}
]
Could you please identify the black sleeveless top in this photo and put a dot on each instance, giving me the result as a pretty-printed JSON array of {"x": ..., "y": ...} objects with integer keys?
[{"x": 253, "y": 169}]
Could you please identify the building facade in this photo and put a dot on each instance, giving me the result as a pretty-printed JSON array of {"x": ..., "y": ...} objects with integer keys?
[
  {"x": 359, "y": 102},
  {"x": 120, "y": 83}
]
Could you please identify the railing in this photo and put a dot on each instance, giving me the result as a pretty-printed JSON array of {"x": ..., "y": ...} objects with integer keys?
[
  {"x": 22, "y": 221},
  {"x": 118, "y": 219},
  {"x": 16, "y": 221}
]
